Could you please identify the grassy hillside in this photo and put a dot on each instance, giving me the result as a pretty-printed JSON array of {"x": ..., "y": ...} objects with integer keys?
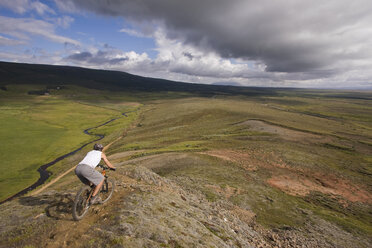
[
  {"x": 16, "y": 73},
  {"x": 274, "y": 158}
]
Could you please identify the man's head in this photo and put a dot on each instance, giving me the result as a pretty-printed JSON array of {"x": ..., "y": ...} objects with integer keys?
[{"x": 98, "y": 147}]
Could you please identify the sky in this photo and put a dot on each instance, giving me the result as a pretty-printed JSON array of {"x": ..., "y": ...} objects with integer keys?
[{"x": 281, "y": 43}]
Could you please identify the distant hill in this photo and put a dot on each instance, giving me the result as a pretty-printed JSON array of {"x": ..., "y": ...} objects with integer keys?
[{"x": 52, "y": 75}]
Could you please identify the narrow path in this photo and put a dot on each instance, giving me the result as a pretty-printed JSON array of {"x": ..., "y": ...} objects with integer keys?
[
  {"x": 72, "y": 168},
  {"x": 70, "y": 233},
  {"x": 44, "y": 174}
]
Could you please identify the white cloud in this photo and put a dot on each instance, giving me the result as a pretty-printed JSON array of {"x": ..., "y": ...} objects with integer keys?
[
  {"x": 34, "y": 57},
  {"x": 65, "y": 21},
  {"x": 66, "y": 6},
  {"x": 109, "y": 58},
  {"x": 175, "y": 61},
  {"x": 23, "y": 6},
  {"x": 188, "y": 59},
  {"x": 185, "y": 62},
  {"x": 41, "y": 8},
  {"x": 133, "y": 32},
  {"x": 10, "y": 42},
  {"x": 17, "y": 6},
  {"x": 22, "y": 28}
]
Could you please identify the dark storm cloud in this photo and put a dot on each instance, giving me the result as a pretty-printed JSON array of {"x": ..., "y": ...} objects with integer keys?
[
  {"x": 188, "y": 55},
  {"x": 286, "y": 35}
]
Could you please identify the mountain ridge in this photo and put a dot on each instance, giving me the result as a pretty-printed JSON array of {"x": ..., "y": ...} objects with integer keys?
[{"x": 22, "y": 73}]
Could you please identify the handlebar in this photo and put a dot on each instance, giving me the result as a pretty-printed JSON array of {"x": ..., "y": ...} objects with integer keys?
[{"x": 106, "y": 168}]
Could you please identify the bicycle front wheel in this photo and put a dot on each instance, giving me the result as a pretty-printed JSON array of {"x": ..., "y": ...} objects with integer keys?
[
  {"x": 81, "y": 203},
  {"x": 107, "y": 190}
]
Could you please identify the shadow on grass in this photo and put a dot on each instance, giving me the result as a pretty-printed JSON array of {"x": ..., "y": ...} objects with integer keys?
[{"x": 58, "y": 206}]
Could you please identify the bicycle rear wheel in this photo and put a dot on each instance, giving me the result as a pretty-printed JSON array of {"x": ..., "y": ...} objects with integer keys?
[
  {"x": 81, "y": 203},
  {"x": 107, "y": 190}
]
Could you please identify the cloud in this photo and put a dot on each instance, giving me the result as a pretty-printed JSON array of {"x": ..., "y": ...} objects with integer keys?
[
  {"x": 22, "y": 28},
  {"x": 110, "y": 58},
  {"x": 184, "y": 62},
  {"x": 10, "y": 42},
  {"x": 67, "y": 6},
  {"x": 64, "y": 21},
  {"x": 302, "y": 38},
  {"x": 133, "y": 32},
  {"x": 272, "y": 43},
  {"x": 173, "y": 58},
  {"x": 23, "y": 6},
  {"x": 34, "y": 56}
]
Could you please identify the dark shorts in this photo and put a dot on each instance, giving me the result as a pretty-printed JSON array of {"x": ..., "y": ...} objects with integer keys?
[{"x": 87, "y": 174}]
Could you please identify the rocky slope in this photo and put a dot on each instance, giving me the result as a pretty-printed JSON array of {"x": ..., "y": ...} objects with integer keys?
[{"x": 148, "y": 210}]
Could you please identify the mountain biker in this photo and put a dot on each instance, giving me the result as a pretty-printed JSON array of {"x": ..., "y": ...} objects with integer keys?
[{"x": 87, "y": 174}]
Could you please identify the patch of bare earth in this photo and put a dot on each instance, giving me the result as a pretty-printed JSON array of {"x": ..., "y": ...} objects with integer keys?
[
  {"x": 302, "y": 185},
  {"x": 282, "y": 132},
  {"x": 294, "y": 181},
  {"x": 245, "y": 160},
  {"x": 245, "y": 215},
  {"x": 132, "y": 104}
]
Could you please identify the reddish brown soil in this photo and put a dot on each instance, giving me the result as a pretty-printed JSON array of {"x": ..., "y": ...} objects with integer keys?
[
  {"x": 297, "y": 184},
  {"x": 245, "y": 160},
  {"x": 295, "y": 181},
  {"x": 243, "y": 214}
]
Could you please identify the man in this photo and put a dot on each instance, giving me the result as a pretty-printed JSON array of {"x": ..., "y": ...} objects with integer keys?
[{"x": 87, "y": 174}]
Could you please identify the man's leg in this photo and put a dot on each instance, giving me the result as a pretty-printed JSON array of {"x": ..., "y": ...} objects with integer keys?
[{"x": 97, "y": 188}]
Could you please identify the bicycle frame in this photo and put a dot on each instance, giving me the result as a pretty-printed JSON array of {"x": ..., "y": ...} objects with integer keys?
[{"x": 106, "y": 192}]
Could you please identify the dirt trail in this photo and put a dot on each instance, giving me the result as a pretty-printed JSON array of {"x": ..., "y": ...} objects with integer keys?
[
  {"x": 71, "y": 169},
  {"x": 70, "y": 233}
]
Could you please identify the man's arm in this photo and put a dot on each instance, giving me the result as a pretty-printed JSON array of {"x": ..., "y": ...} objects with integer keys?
[{"x": 108, "y": 163}]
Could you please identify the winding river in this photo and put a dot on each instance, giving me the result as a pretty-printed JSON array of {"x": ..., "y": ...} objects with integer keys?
[{"x": 44, "y": 174}]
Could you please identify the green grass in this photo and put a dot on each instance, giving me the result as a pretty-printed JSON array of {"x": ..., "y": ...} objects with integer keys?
[
  {"x": 166, "y": 126},
  {"x": 274, "y": 208},
  {"x": 354, "y": 218},
  {"x": 38, "y": 129}
]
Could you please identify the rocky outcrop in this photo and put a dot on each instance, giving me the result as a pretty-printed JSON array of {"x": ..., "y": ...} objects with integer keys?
[{"x": 163, "y": 214}]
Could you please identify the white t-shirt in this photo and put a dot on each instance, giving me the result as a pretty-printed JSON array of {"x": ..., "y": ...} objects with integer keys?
[{"x": 92, "y": 158}]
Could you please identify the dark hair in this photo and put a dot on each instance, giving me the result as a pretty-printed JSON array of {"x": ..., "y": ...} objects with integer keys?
[{"x": 98, "y": 147}]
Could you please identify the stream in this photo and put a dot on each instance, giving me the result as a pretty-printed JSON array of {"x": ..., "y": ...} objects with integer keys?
[{"x": 44, "y": 174}]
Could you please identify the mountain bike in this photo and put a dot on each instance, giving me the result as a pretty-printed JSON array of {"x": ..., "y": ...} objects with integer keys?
[{"x": 82, "y": 200}]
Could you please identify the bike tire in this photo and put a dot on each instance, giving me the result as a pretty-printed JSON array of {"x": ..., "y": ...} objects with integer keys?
[
  {"x": 81, "y": 205},
  {"x": 107, "y": 190}
]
